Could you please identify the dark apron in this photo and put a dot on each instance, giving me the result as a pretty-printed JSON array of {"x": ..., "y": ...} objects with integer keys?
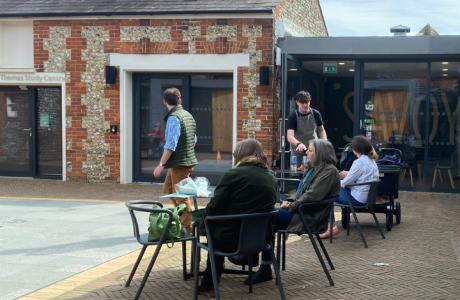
[{"x": 306, "y": 131}]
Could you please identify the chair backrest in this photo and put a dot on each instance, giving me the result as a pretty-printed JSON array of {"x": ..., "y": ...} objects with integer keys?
[
  {"x": 253, "y": 232},
  {"x": 303, "y": 209},
  {"x": 371, "y": 196},
  {"x": 132, "y": 206},
  {"x": 452, "y": 159}
]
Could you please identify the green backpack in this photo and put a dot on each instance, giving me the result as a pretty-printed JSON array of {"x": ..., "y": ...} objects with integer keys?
[{"x": 158, "y": 223}]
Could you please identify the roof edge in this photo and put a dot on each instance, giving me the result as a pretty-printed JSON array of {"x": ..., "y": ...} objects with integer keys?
[{"x": 182, "y": 12}]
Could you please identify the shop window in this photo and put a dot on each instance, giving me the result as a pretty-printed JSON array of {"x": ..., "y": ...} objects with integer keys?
[{"x": 395, "y": 113}]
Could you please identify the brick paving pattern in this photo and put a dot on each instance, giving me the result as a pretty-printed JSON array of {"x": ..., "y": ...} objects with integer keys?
[{"x": 423, "y": 254}]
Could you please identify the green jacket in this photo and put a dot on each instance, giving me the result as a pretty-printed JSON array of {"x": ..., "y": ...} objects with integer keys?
[
  {"x": 184, "y": 155},
  {"x": 323, "y": 183},
  {"x": 247, "y": 189}
]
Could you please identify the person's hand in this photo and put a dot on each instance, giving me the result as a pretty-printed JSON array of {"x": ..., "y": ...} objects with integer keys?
[
  {"x": 157, "y": 171},
  {"x": 301, "y": 148},
  {"x": 285, "y": 205},
  {"x": 343, "y": 174}
]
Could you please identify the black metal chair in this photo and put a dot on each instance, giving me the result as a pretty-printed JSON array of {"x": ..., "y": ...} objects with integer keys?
[
  {"x": 438, "y": 168},
  {"x": 282, "y": 237},
  {"x": 252, "y": 240},
  {"x": 354, "y": 209},
  {"x": 143, "y": 240}
]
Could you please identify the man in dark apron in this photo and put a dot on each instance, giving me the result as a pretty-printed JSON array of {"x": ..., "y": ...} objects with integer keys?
[{"x": 304, "y": 124}]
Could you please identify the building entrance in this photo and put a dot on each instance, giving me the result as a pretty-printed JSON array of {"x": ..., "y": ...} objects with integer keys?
[{"x": 30, "y": 131}]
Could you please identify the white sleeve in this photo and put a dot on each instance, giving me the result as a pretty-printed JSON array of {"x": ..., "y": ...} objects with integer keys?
[{"x": 353, "y": 174}]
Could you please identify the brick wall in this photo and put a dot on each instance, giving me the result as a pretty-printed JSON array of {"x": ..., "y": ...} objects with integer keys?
[{"x": 80, "y": 49}]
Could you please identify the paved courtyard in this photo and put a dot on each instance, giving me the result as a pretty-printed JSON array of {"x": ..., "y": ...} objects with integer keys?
[{"x": 422, "y": 253}]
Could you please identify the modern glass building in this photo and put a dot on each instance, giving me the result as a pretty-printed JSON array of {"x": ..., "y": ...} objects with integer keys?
[{"x": 400, "y": 92}]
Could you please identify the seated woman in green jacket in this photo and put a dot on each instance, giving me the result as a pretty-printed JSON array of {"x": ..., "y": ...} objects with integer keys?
[
  {"x": 247, "y": 188},
  {"x": 320, "y": 181}
]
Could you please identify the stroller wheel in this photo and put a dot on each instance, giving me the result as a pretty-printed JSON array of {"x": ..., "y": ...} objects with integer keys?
[
  {"x": 398, "y": 212},
  {"x": 389, "y": 221},
  {"x": 344, "y": 218}
]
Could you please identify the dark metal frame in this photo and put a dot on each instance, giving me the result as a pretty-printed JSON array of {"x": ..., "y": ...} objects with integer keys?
[
  {"x": 133, "y": 206},
  {"x": 282, "y": 237},
  {"x": 243, "y": 249},
  {"x": 360, "y": 61},
  {"x": 354, "y": 209}
]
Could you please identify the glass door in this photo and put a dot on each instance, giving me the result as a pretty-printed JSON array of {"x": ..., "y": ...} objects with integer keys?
[
  {"x": 291, "y": 84},
  {"x": 48, "y": 129},
  {"x": 149, "y": 126},
  {"x": 16, "y": 132}
]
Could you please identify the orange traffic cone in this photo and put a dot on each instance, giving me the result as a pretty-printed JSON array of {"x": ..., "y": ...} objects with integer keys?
[{"x": 218, "y": 156}]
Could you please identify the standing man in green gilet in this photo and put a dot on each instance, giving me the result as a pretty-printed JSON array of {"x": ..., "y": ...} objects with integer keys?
[
  {"x": 304, "y": 124},
  {"x": 179, "y": 150}
]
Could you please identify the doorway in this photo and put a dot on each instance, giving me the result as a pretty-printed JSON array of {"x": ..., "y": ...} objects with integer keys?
[
  {"x": 31, "y": 132},
  {"x": 208, "y": 97}
]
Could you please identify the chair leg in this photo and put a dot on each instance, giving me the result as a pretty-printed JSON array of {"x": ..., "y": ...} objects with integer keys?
[
  {"x": 440, "y": 175},
  {"x": 411, "y": 178},
  {"x": 348, "y": 221},
  {"x": 359, "y": 227},
  {"x": 285, "y": 237},
  {"x": 331, "y": 220},
  {"x": 434, "y": 178},
  {"x": 320, "y": 257},
  {"x": 277, "y": 274},
  {"x": 376, "y": 221},
  {"x": 403, "y": 174},
  {"x": 320, "y": 242},
  {"x": 147, "y": 272},
  {"x": 139, "y": 258},
  {"x": 451, "y": 178},
  {"x": 215, "y": 281},
  {"x": 419, "y": 171},
  {"x": 196, "y": 271},
  {"x": 250, "y": 272},
  {"x": 184, "y": 261},
  {"x": 278, "y": 247},
  {"x": 192, "y": 255}
]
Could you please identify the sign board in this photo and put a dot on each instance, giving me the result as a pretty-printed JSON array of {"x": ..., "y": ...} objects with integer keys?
[
  {"x": 329, "y": 68},
  {"x": 44, "y": 119}
]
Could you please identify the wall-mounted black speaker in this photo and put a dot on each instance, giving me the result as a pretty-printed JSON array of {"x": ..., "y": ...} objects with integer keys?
[
  {"x": 110, "y": 74},
  {"x": 264, "y": 76}
]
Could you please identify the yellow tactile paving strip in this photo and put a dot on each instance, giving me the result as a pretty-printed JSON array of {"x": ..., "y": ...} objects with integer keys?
[{"x": 84, "y": 277}]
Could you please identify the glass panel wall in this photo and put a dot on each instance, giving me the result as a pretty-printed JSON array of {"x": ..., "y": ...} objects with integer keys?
[
  {"x": 444, "y": 126},
  {"x": 394, "y": 98}
]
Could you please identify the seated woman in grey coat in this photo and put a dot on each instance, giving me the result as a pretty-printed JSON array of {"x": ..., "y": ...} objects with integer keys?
[{"x": 320, "y": 181}]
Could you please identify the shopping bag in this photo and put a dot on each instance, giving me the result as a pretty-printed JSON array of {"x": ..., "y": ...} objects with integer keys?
[{"x": 159, "y": 220}]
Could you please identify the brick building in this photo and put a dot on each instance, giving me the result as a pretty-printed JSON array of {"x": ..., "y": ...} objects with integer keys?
[{"x": 60, "y": 118}]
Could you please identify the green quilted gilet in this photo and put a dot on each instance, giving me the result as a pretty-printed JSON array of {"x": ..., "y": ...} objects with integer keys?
[{"x": 185, "y": 150}]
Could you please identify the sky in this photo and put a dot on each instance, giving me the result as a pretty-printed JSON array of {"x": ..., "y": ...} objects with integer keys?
[{"x": 375, "y": 17}]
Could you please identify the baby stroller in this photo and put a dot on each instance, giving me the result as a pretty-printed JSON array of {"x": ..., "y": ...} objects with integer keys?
[{"x": 389, "y": 165}]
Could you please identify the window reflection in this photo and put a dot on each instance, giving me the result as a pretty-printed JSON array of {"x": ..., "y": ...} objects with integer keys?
[
  {"x": 444, "y": 125},
  {"x": 394, "y": 112},
  {"x": 211, "y": 104}
]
